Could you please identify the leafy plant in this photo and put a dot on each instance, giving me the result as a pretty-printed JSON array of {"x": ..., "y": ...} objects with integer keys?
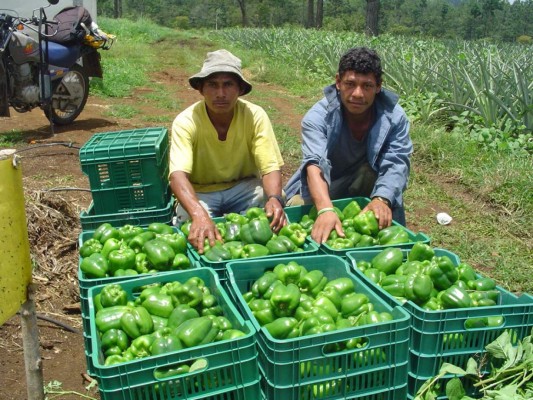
[
  {"x": 55, "y": 388},
  {"x": 511, "y": 375}
]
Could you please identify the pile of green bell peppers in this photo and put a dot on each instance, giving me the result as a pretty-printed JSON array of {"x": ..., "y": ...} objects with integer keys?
[
  {"x": 361, "y": 229},
  {"x": 249, "y": 235},
  {"x": 163, "y": 318},
  {"x": 131, "y": 250},
  {"x": 290, "y": 301},
  {"x": 432, "y": 282}
]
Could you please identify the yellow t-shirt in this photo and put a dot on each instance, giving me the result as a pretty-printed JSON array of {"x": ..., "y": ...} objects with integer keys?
[{"x": 250, "y": 148}]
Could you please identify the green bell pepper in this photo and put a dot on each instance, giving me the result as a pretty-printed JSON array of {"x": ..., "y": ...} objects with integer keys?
[
  {"x": 394, "y": 285},
  {"x": 232, "y": 334},
  {"x": 221, "y": 227},
  {"x": 285, "y": 299},
  {"x": 263, "y": 283},
  {"x": 165, "y": 342},
  {"x": 375, "y": 275},
  {"x": 280, "y": 245},
  {"x": 421, "y": 252},
  {"x": 482, "y": 284},
  {"x": 262, "y": 311},
  {"x": 239, "y": 219},
  {"x": 254, "y": 250},
  {"x": 394, "y": 234},
  {"x": 113, "y": 295},
  {"x": 122, "y": 258},
  {"x": 466, "y": 272},
  {"x": 254, "y": 212},
  {"x": 185, "y": 228},
  {"x": 159, "y": 304},
  {"x": 177, "y": 241},
  {"x": 160, "y": 227},
  {"x": 181, "y": 262},
  {"x": 180, "y": 314},
  {"x": 141, "y": 263},
  {"x": 388, "y": 260},
  {"x": 114, "y": 342},
  {"x": 159, "y": 254},
  {"x": 110, "y": 245},
  {"x": 295, "y": 232},
  {"x": 307, "y": 223},
  {"x": 235, "y": 248},
  {"x": 443, "y": 272},
  {"x": 344, "y": 285},
  {"x": 256, "y": 231},
  {"x": 340, "y": 243},
  {"x": 363, "y": 265},
  {"x": 188, "y": 293},
  {"x": 105, "y": 231},
  {"x": 313, "y": 282},
  {"x": 374, "y": 317},
  {"x": 283, "y": 328},
  {"x": 354, "y": 304},
  {"x": 418, "y": 288},
  {"x": 455, "y": 297},
  {"x": 196, "y": 331},
  {"x": 137, "y": 322},
  {"x": 125, "y": 272},
  {"x": 218, "y": 253},
  {"x": 332, "y": 294},
  {"x": 159, "y": 322},
  {"x": 433, "y": 304},
  {"x": 366, "y": 223},
  {"x": 327, "y": 305},
  {"x": 140, "y": 346},
  {"x": 109, "y": 318},
  {"x": 233, "y": 232},
  {"x": 94, "y": 266},
  {"x": 128, "y": 232},
  {"x": 351, "y": 209},
  {"x": 89, "y": 247},
  {"x": 367, "y": 241},
  {"x": 137, "y": 242},
  {"x": 290, "y": 272},
  {"x": 318, "y": 322}
]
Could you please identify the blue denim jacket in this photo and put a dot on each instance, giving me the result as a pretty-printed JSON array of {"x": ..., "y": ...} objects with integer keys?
[{"x": 388, "y": 146}]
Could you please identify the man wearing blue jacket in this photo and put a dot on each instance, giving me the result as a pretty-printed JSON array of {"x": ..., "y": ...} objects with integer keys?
[{"x": 355, "y": 143}]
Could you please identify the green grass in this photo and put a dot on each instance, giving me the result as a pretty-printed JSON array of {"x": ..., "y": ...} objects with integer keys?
[
  {"x": 122, "y": 111},
  {"x": 11, "y": 139}
]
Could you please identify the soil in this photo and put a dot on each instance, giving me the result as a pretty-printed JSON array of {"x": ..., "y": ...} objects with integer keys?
[{"x": 51, "y": 161}]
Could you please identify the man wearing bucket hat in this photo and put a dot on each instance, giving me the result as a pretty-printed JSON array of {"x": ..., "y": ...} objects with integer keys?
[{"x": 224, "y": 156}]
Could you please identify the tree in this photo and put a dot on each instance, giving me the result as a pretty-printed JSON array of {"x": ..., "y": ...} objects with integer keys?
[
  {"x": 117, "y": 12},
  {"x": 319, "y": 13},
  {"x": 372, "y": 12},
  {"x": 242, "y": 6},
  {"x": 310, "y": 14}
]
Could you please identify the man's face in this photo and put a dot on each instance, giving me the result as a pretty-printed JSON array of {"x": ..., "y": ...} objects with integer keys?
[
  {"x": 221, "y": 91},
  {"x": 357, "y": 91}
]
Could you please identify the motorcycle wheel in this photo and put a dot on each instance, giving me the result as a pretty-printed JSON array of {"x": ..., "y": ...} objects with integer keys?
[{"x": 69, "y": 95}]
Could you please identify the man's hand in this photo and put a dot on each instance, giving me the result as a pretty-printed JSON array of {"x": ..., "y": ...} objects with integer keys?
[
  {"x": 276, "y": 214},
  {"x": 203, "y": 227},
  {"x": 323, "y": 226},
  {"x": 382, "y": 211}
]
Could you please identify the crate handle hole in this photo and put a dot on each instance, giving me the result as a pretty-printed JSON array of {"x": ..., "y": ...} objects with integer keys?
[
  {"x": 181, "y": 369},
  {"x": 493, "y": 321}
]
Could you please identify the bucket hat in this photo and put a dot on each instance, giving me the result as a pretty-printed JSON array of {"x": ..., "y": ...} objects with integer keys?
[{"x": 220, "y": 61}]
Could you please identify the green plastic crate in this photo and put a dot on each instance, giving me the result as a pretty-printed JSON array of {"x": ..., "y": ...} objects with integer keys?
[
  {"x": 441, "y": 336},
  {"x": 127, "y": 170},
  {"x": 171, "y": 389},
  {"x": 90, "y": 219},
  {"x": 281, "y": 360},
  {"x": 86, "y": 283},
  {"x": 343, "y": 389},
  {"x": 310, "y": 248},
  {"x": 231, "y": 364},
  {"x": 295, "y": 214}
]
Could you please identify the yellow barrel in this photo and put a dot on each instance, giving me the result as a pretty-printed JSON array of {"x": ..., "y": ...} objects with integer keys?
[{"x": 15, "y": 260}]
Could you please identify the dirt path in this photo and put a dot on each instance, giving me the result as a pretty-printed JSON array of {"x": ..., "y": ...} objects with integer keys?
[{"x": 58, "y": 166}]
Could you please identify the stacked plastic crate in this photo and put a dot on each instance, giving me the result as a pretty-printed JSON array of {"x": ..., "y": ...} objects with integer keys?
[{"x": 128, "y": 178}]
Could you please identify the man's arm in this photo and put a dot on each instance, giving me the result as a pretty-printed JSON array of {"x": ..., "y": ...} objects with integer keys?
[
  {"x": 202, "y": 226},
  {"x": 327, "y": 220},
  {"x": 273, "y": 207}
]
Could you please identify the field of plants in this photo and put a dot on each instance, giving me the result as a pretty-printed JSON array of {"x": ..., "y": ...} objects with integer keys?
[{"x": 482, "y": 88}]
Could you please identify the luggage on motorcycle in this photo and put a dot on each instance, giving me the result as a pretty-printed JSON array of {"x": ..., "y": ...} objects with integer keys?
[{"x": 69, "y": 29}]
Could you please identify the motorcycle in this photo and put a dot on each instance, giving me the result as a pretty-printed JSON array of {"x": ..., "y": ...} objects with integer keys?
[{"x": 40, "y": 69}]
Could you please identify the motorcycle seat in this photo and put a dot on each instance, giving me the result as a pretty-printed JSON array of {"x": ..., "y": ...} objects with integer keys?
[{"x": 62, "y": 56}]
